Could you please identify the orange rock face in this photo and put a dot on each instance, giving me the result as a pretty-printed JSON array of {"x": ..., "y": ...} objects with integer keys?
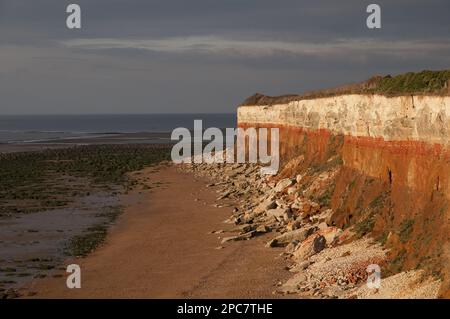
[{"x": 385, "y": 189}]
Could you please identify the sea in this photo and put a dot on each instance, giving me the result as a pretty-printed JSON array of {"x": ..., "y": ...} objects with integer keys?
[{"x": 60, "y": 128}]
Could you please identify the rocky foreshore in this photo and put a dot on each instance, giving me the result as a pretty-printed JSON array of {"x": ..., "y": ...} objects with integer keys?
[{"x": 325, "y": 261}]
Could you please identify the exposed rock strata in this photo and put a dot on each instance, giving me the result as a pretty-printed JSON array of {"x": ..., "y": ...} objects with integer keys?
[
  {"x": 400, "y": 118},
  {"x": 387, "y": 161},
  {"x": 365, "y": 179}
]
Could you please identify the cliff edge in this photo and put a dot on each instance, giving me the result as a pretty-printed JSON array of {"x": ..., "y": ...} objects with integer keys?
[{"x": 421, "y": 83}]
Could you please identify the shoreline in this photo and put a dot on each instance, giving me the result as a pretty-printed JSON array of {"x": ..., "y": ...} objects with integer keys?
[
  {"x": 58, "y": 203},
  {"x": 183, "y": 261}
]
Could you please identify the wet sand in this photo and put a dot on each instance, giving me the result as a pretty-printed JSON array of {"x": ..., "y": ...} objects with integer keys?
[
  {"x": 162, "y": 247},
  {"x": 32, "y": 245}
]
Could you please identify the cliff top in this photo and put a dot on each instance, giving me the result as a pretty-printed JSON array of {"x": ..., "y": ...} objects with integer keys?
[{"x": 425, "y": 82}]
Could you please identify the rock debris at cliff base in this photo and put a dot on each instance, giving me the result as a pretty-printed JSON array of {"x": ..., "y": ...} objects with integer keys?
[{"x": 325, "y": 261}]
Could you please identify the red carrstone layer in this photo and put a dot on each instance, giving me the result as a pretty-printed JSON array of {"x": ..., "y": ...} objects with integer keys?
[
  {"x": 398, "y": 147},
  {"x": 415, "y": 164}
]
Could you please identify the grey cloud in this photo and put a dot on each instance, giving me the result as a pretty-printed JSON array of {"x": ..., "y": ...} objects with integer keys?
[
  {"x": 203, "y": 55},
  {"x": 251, "y": 48}
]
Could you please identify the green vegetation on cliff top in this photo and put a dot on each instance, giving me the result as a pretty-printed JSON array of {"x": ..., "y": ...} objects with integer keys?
[
  {"x": 425, "y": 82},
  {"x": 435, "y": 82}
]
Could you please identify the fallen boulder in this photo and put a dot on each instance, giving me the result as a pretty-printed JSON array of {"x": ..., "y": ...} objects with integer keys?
[
  {"x": 239, "y": 237},
  {"x": 330, "y": 233},
  {"x": 283, "y": 184},
  {"x": 262, "y": 229},
  {"x": 311, "y": 246},
  {"x": 279, "y": 214},
  {"x": 264, "y": 206},
  {"x": 288, "y": 237}
]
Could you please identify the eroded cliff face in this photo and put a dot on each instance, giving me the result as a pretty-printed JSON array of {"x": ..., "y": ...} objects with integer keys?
[{"x": 390, "y": 162}]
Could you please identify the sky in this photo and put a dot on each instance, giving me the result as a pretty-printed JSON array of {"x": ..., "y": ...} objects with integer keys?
[{"x": 204, "y": 56}]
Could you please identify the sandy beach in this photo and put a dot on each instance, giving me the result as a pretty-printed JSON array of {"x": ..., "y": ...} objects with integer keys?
[{"x": 162, "y": 246}]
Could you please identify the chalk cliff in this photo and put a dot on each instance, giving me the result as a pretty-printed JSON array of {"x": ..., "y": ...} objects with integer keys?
[
  {"x": 390, "y": 161},
  {"x": 418, "y": 118}
]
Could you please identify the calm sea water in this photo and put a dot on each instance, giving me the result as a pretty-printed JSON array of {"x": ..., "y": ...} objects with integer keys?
[{"x": 30, "y": 128}]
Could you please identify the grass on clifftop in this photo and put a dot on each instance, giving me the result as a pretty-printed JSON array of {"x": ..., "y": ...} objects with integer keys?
[{"x": 425, "y": 82}]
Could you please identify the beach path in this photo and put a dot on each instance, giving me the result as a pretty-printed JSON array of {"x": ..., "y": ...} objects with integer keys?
[{"x": 162, "y": 247}]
